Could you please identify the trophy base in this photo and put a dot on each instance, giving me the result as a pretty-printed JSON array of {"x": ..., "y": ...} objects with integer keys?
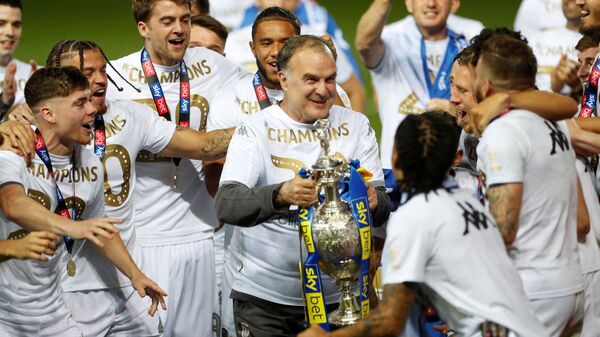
[{"x": 349, "y": 312}]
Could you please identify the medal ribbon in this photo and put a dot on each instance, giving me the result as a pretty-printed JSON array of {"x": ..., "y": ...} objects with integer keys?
[
  {"x": 261, "y": 93},
  {"x": 311, "y": 272},
  {"x": 159, "y": 97},
  {"x": 61, "y": 207},
  {"x": 358, "y": 199},
  {"x": 441, "y": 87},
  {"x": 99, "y": 136},
  {"x": 590, "y": 93}
]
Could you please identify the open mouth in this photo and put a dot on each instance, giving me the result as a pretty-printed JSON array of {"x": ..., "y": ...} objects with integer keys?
[
  {"x": 272, "y": 66},
  {"x": 99, "y": 93},
  {"x": 462, "y": 115},
  {"x": 584, "y": 13},
  {"x": 177, "y": 42},
  {"x": 430, "y": 14},
  {"x": 88, "y": 126}
]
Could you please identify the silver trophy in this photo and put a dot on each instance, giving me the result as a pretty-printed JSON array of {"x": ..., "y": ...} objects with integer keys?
[{"x": 335, "y": 232}]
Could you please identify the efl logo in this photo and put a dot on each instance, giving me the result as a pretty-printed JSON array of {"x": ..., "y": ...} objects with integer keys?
[
  {"x": 148, "y": 68},
  {"x": 586, "y": 112},
  {"x": 184, "y": 124}
]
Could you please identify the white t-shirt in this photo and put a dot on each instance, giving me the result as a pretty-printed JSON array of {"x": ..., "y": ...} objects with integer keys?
[
  {"x": 462, "y": 266},
  {"x": 589, "y": 251},
  {"x": 163, "y": 214},
  {"x": 535, "y": 16},
  {"x": 269, "y": 148},
  {"x": 237, "y": 50},
  {"x": 399, "y": 80},
  {"x": 548, "y": 46},
  {"x": 229, "y": 12},
  {"x": 21, "y": 77},
  {"x": 29, "y": 287},
  {"x": 521, "y": 147},
  {"x": 130, "y": 127}
]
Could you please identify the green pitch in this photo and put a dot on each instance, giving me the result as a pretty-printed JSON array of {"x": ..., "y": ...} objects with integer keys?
[{"x": 111, "y": 24}]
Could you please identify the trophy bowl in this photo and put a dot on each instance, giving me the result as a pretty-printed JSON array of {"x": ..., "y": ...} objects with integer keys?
[{"x": 337, "y": 239}]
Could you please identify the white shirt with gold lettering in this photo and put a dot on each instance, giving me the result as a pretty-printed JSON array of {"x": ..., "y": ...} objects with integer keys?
[
  {"x": 29, "y": 287},
  {"x": 269, "y": 148},
  {"x": 535, "y": 16},
  {"x": 130, "y": 127},
  {"x": 548, "y": 47},
  {"x": 522, "y": 147},
  {"x": 21, "y": 77},
  {"x": 449, "y": 244},
  {"x": 165, "y": 214}
]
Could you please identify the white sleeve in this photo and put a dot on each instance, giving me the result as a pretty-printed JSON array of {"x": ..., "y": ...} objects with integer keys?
[
  {"x": 243, "y": 163},
  {"x": 407, "y": 249},
  {"x": 12, "y": 169},
  {"x": 368, "y": 151},
  {"x": 502, "y": 154},
  {"x": 154, "y": 131},
  {"x": 224, "y": 112},
  {"x": 386, "y": 64}
]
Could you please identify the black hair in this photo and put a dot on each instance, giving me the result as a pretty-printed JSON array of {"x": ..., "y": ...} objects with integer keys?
[
  {"x": 203, "y": 6},
  {"x": 477, "y": 41},
  {"x": 80, "y": 46},
  {"x": 12, "y": 3},
  {"x": 212, "y": 24},
  {"x": 274, "y": 14},
  {"x": 425, "y": 145}
]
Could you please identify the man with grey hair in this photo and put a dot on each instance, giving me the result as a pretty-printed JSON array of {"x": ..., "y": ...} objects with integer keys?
[{"x": 271, "y": 147}]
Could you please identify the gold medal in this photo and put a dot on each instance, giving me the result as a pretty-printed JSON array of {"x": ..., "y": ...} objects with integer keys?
[
  {"x": 176, "y": 177},
  {"x": 71, "y": 268}
]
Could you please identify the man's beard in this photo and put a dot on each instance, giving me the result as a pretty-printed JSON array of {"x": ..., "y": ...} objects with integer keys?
[
  {"x": 263, "y": 74},
  {"x": 589, "y": 30}
]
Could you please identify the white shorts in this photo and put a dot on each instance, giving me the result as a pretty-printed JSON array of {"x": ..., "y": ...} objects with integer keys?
[
  {"x": 559, "y": 313},
  {"x": 591, "y": 312},
  {"x": 113, "y": 312},
  {"x": 57, "y": 323},
  {"x": 187, "y": 273}
]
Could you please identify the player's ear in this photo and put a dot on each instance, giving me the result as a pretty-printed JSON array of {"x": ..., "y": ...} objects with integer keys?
[
  {"x": 143, "y": 29},
  {"x": 409, "y": 6},
  {"x": 251, "y": 43},
  {"x": 454, "y": 6},
  {"x": 47, "y": 113},
  {"x": 283, "y": 80}
]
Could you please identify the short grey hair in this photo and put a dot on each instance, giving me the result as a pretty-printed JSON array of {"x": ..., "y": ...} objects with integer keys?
[{"x": 297, "y": 43}]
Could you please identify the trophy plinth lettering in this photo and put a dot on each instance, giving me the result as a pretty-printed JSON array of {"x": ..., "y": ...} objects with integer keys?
[{"x": 335, "y": 232}]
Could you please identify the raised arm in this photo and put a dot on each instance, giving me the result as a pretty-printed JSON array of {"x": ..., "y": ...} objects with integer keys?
[
  {"x": 368, "y": 33},
  {"x": 193, "y": 144}
]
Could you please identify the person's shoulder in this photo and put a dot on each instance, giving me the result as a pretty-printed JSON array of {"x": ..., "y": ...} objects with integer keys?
[
  {"x": 129, "y": 58},
  {"x": 345, "y": 114},
  {"x": 196, "y": 53},
  {"x": 464, "y": 23},
  {"x": 12, "y": 158}
]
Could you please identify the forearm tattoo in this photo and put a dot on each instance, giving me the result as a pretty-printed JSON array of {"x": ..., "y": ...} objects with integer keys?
[
  {"x": 217, "y": 142},
  {"x": 501, "y": 200}
]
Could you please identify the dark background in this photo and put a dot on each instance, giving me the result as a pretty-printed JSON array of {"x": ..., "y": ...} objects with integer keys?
[{"x": 111, "y": 24}]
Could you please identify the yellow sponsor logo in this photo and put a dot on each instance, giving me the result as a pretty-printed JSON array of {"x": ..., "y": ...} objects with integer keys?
[
  {"x": 311, "y": 278},
  {"x": 364, "y": 306},
  {"x": 316, "y": 308},
  {"x": 305, "y": 226},
  {"x": 362, "y": 213},
  {"x": 365, "y": 237}
]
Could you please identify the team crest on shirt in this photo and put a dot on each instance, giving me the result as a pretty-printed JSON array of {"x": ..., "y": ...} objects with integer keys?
[
  {"x": 409, "y": 105},
  {"x": 559, "y": 139},
  {"x": 474, "y": 218}
]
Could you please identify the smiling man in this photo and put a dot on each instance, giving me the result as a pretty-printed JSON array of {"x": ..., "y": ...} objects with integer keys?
[
  {"x": 271, "y": 147},
  {"x": 174, "y": 219},
  {"x": 13, "y": 72}
]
